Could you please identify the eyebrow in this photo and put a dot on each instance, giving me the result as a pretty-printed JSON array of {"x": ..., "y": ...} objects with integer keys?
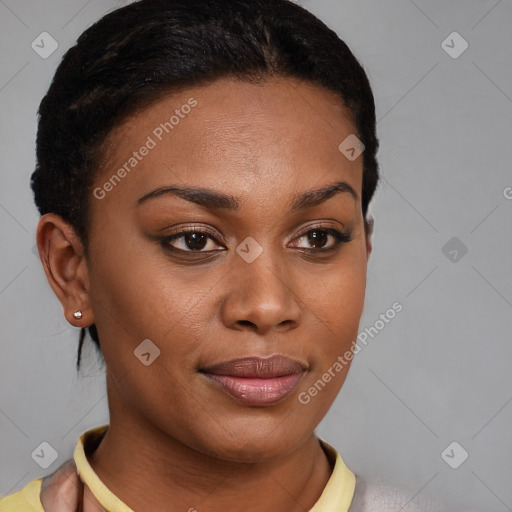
[{"x": 212, "y": 199}]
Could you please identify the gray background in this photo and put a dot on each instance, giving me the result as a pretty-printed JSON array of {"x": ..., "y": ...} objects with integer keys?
[{"x": 440, "y": 370}]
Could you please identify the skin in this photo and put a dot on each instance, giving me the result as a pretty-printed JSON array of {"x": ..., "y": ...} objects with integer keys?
[{"x": 175, "y": 440}]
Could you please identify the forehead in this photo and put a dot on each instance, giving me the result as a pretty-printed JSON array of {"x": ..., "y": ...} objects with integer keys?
[{"x": 237, "y": 136}]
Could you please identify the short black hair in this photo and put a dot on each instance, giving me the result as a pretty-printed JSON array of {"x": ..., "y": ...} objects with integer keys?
[{"x": 136, "y": 54}]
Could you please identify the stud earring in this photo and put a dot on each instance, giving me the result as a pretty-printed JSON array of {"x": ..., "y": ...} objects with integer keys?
[{"x": 77, "y": 314}]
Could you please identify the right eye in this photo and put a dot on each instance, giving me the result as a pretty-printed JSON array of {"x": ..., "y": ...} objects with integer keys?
[{"x": 191, "y": 240}]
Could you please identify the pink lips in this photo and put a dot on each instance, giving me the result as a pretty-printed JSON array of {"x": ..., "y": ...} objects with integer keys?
[{"x": 257, "y": 381}]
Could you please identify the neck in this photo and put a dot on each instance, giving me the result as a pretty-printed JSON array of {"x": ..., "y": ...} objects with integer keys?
[{"x": 149, "y": 470}]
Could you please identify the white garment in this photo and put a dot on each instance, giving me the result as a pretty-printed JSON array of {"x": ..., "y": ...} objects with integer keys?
[{"x": 380, "y": 497}]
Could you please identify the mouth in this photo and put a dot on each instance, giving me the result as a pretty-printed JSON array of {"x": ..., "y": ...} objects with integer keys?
[{"x": 257, "y": 381}]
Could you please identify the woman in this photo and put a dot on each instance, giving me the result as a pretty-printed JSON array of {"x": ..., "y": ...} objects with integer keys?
[{"x": 204, "y": 170}]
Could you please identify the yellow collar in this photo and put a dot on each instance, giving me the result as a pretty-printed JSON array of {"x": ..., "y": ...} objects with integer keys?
[{"x": 337, "y": 494}]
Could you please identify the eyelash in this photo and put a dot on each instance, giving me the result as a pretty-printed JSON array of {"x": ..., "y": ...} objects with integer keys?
[{"x": 339, "y": 238}]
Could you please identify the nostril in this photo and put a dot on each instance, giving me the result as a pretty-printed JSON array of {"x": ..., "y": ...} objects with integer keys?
[{"x": 247, "y": 322}]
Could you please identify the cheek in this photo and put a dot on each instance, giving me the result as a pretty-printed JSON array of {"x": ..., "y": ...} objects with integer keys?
[
  {"x": 122, "y": 292},
  {"x": 136, "y": 300},
  {"x": 336, "y": 303},
  {"x": 336, "y": 295},
  {"x": 138, "y": 295}
]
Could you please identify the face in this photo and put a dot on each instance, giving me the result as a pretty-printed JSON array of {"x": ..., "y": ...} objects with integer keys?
[{"x": 234, "y": 244}]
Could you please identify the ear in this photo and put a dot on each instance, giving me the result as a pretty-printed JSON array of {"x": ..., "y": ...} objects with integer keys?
[
  {"x": 368, "y": 229},
  {"x": 65, "y": 265}
]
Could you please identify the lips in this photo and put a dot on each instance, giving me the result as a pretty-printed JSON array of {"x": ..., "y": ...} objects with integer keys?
[{"x": 257, "y": 381}]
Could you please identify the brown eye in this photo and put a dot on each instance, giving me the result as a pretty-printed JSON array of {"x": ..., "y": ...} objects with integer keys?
[
  {"x": 317, "y": 239},
  {"x": 195, "y": 241},
  {"x": 191, "y": 241}
]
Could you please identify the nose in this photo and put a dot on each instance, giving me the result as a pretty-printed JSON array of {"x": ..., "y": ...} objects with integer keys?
[{"x": 261, "y": 297}]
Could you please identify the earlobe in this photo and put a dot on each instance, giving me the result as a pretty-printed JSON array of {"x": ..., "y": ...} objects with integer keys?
[
  {"x": 64, "y": 263},
  {"x": 369, "y": 224}
]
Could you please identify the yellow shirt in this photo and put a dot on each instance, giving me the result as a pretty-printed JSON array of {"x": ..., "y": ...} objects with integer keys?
[{"x": 336, "y": 496}]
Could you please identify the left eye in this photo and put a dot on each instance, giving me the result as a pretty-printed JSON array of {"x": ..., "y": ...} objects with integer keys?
[{"x": 318, "y": 238}]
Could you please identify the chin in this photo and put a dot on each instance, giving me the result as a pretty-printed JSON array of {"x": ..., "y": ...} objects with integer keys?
[{"x": 254, "y": 443}]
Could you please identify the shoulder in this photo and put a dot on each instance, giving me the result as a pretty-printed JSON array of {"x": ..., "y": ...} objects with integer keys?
[
  {"x": 381, "y": 497},
  {"x": 378, "y": 495},
  {"x": 25, "y": 500},
  {"x": 59, "y": 491}
]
